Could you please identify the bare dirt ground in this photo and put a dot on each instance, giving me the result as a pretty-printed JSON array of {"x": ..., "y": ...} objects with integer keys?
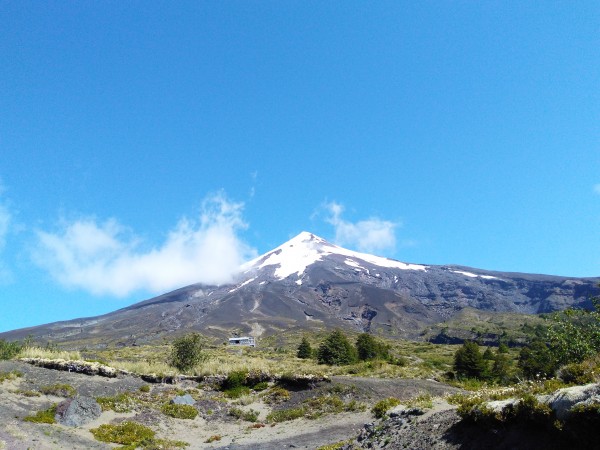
[{"x": 213, "y": 419}]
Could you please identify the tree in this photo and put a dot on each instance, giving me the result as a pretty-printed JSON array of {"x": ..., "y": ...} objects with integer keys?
[
  {"x": 468, "y": 361},
  {"x": 186, "y": 352},
  {"x": 501, "y": 367},
  {"x": 368, "y": 348},
  {"x": 336, "y": 350},
  {"x": 574, "y": 334},
  {"x": 304, "y": 349},
  {"x": 536, "y": 360},
  {"x": 488, "y": 355}
]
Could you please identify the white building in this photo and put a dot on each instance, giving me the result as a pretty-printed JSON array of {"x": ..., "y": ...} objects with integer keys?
[{"x": 243, "y": 340}]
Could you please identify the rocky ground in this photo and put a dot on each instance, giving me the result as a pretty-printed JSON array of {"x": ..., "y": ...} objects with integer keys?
[{"x": 21, "y": 396}]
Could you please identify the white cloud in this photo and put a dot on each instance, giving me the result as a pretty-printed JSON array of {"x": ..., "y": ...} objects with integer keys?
[
  {"x": 105, "y": 258},
  {"x": 597, "y": 188},
  {"x": 372, "y": 235}
]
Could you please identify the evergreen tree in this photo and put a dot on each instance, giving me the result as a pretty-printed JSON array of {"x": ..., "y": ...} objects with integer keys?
[
  {"x": 502, "y": 348},
  {"x": 304, "y": 349},
  {"x": 369, "y": 348},
  {"x": 468, "y": 361},
  {"x": 501, "y": 367},
  {"x": 336, "y": 350},
  {"x": 488, "y": 355}
]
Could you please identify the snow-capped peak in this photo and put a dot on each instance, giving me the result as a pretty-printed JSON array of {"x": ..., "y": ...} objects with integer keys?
[{"x": 294, "y": 256}]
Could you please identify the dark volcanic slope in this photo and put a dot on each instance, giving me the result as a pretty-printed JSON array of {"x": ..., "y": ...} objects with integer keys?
[{"x": 310, "y": 283}]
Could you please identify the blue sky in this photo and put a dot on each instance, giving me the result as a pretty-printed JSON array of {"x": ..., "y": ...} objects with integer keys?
[{"x": 148, "y": 145}]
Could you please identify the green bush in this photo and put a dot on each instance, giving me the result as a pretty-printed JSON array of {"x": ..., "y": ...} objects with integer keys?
[
  {"x": 284, "y": 415},
  {"x": 248, "y": 416},
  {"x": 276, "y": 394},
  {"x": 383, "y": 406},
  {"x": 60, "y": 390},
  {"x": 125, "y": 433},
  {"x": 234, "y": 385},
  {"x": 260, "y": 386},
  {"x": 122, "y": 402},
  {"x": 46, "y": 416},
  {"x": 186, "y": 352},
  {"x": 179, "y": 411},
  {"x": 336, "y": 350},
  {"x": 576, "y": 373},
  {"x": 8, "y": 349}
]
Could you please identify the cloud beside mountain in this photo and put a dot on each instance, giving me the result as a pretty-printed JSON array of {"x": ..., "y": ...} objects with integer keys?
[{"x": 107, "y": 259}]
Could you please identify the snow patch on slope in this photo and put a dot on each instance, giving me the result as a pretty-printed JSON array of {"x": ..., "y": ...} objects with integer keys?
[
  {"x": 474, "y": 275},
  {"x": 297, "y": 254}
]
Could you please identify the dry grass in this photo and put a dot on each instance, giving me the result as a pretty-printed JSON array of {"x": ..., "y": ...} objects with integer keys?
[{"x": 38, "y": 352}]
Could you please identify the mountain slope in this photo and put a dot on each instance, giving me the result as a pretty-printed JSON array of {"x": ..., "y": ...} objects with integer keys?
[{"x": 310, "y": 283}]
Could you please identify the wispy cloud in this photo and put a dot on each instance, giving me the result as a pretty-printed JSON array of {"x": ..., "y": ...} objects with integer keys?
[
  {"x": 106, "y": 258},
  {"x": 372, "y": 235},
  {"x": 597, "y": 188}
]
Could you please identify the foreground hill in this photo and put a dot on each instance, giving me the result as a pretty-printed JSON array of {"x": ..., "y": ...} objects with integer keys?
[{"x": 309, "y": 283}]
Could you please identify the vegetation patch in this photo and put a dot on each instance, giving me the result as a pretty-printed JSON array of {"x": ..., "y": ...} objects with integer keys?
[
  {"x": 123, "y": 402},
  {"x": 276, "y": 394},
  {"x": 12, "y": 375},
  {"x": 59, "y": 390},
  {"x": 8, "y": 349},
  {"x": 284, "y": 415},
  {"x": 261, "y": 386},
  {"x": 27, "y": 393},
  {"x": 46, "y": 416},
  {"x": 133, "y": 435},
  {"x": 179, "y": 411},
  {"x": 381, "y": 408},
  {"x": 335, "y": 446},
  {"x": 213, "y": 438},
  {"x": 314, "y": 408},
  {"x": 248, "y": 416}
]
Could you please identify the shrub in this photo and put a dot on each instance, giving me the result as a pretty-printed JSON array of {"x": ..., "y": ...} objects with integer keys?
[
  {"x": 260, "y": 386},
  {"x": 46, "y": 416},
  {"x": 276, "y": 394},
  {"x": 123, "y": 402},
  {"x": 336, "y": 350},
  {"x": 126, "y": 433},
  {"x": 60, "y": 390},
  {"x": 283, "y": 415},
  {"x": 186, "y": 352},
  {"x": 381, "y": 407},
  {"x": 234, "y": 385},
  {"x": 576, "y": 373},
  {"x": 145, "y": 388},
  {"x": 179, "y": 411},
  {"x": 213, "y": 438},
  {"x": 248, "y": 416},
  {"x": 8, "y": 349},
  {"x": 304, "y": 349}
]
